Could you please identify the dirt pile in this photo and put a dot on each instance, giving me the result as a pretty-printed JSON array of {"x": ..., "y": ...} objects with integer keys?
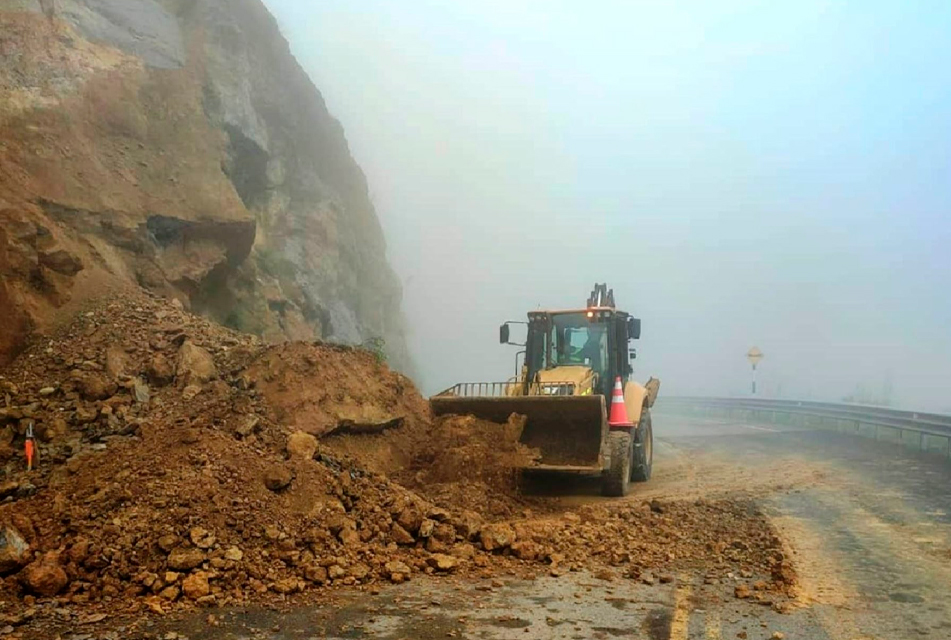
[
  {"x": 340, "y": 396},
  {"x": 183, "y": 464},
  {"x": 473, "y": 464},
  {"x": 160, "y": 460}
]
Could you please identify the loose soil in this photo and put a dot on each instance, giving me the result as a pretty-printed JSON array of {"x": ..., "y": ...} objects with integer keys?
[{"x": 182, "y": 464}]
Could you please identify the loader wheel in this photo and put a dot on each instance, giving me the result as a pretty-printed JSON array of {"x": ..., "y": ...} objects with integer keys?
[
  {"x": 617, "y": 477},
  {"x": 643, "y": 449}
]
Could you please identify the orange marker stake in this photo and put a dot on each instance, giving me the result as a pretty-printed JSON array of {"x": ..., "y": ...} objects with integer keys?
[{"x": 30, "y": 450}]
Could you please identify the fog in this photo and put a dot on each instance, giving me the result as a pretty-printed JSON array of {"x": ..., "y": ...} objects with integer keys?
[{"x": 741, "y": 173}]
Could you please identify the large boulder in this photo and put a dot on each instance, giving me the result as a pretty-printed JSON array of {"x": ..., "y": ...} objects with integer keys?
[{"x": 195, "y": 364}]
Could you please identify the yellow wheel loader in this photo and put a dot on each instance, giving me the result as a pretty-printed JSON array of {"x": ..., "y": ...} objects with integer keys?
[{"x": 572, "y": 360}]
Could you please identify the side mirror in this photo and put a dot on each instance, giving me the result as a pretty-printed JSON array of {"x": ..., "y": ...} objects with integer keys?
[
  {"x": 504, "y": 334},
  {"x": 634, "y": 328}
]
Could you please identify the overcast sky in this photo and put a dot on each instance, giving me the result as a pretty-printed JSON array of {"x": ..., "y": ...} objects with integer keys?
[{"x": 742, "y": 173}]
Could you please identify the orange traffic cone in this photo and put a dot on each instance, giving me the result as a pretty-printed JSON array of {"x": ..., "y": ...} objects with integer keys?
[{"x": 618, "y": 417}]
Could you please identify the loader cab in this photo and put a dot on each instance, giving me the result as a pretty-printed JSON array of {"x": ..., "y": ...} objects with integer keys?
[{"x": 595, "y": 338}]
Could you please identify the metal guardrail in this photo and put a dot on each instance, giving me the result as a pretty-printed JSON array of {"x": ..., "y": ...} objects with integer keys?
[
  {"x": 915, "y": 429},
  {"x": 501, "y": 389}
]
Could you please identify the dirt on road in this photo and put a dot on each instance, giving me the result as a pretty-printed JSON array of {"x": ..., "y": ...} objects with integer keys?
[{"x": 184, "y": 465}]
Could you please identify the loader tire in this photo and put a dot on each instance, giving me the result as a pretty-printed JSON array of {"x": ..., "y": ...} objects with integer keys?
[
  {"x": 617, "y": 477},
  {"x": 643, "y": 449}
]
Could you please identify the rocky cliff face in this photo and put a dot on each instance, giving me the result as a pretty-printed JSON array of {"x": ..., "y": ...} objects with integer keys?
[{"x": 178, "y": 145}]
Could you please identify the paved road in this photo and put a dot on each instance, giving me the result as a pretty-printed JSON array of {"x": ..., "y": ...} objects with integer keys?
[
  {"x": 869, "y": 526},
  {"x": 869, "y": 523}
]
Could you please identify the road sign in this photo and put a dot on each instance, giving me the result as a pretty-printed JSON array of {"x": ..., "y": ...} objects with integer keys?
[{"x": 754, "y": 355}]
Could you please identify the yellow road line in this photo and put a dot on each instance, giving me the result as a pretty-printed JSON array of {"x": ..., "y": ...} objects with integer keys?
[
  {"x": 681, "y": 617},
  {"x": 711, "y": 628}
]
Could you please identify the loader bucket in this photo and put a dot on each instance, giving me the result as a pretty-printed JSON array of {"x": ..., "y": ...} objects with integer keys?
[{"x": 568, "y": 430}]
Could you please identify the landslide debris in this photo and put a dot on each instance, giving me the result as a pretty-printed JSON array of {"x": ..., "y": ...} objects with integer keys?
[
  {"x": 473, "y": 464},
  {"x": 184, "y": 464}
]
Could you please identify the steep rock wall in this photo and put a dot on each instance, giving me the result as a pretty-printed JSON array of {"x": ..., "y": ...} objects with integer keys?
[{"x": 178, "y": 145}]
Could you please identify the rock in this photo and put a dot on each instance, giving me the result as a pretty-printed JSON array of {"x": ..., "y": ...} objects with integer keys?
[
  {"x": 234, "y": 554},
  {"x": 436, "y": 546},
  {"x": 399, "y": 535},
  {"x": 335, "y": 572},
  {"x": 359, "y": 571},
  {"x": 784, "y": 607},
  {"x": 44, "y": 577},
  {"x": 463, "y": 551},
  {"x": 605, "y": 574},
  {"x": 442, "y": 562},
  {"x": 60, "y": 261},
  {"x": 742, "y": 591},
  {"x": 94, "y": 386},
  {"x": 397, "y": 571},
  {"x": 777, "y": 635},
  {"x": 426, "y": 528},
  {"x": 438, "y": 514},
  {"x": 278, "y": 477},
  {"x": 286, "y": 586},
  {"x": 741, "y": 635},
  {"x": 340, "y": 522},
  {"x": 444, "y": 532},
  {"x": 201, "y": 538},
  {"x": 170, "y": 593},
  {"x": 13, "y": 549},
  {"x": 316, "y": 573},
  {"x": 467, "y": 524},
  {"x": 349, "y": 537},
  {"x": 196, "y": 585},
  {"x": 185, "y": 559},
  {"x": 79, "y": 551},
  {"x": 168, "y": 542},
  {"x": 190, "y": 392},
  {"x": 85, "y": 415},
  {"x": 301, "y": 445},
  {"x": 171, "y": 577},
  {"x": 248, "y": 426},
  {"x": 195, "y": 365},
  {"x": 526, "y": 550},
  {"x": 117, "y": 362},
  {"x": 410, "y": 518},
  {"x": 665, "y": 578},
  {"x": 657, "y": 506},
  {"x": 160, "y": 371},
  {"x": 51, "y": 430},
  {"x": 47, "y": 391},
  {"x": 495, "y": 537},
  {"x": 140, "y": 391}
]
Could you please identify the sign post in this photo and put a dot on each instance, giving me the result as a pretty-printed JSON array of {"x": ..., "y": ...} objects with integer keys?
[{"x": 754, "y": 355}]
